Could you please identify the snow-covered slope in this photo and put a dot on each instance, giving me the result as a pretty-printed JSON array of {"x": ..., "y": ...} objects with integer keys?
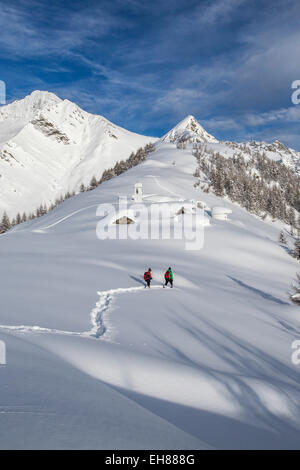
[
  {"x": 275, "y": 151},
  {"x": 188, "y": 130},
  {"x": 49, "y": 146},
  {"x": 97, "y": 361}
]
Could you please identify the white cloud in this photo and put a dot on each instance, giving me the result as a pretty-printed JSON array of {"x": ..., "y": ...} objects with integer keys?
[
  {"x": 178, "y": 99},
  {"x": 217, "y": 11},
  {"x": 283, "y": 115},
  {"x": 222, "y": 124},
  {"x": 21, "y": 36}
]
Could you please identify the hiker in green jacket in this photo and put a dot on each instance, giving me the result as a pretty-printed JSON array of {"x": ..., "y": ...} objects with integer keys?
[{"x": 169, "y": 277}]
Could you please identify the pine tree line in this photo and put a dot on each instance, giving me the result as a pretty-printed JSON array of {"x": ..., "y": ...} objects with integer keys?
[
  {"x": 6, "y": 224},
  {"x": 134, "y": 159},
  {"x": 259, "y": 184},
  {"x": 120, "y": 167}
]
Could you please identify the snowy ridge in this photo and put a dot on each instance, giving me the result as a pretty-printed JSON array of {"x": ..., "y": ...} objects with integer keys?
[
  {"x": 28, "y": 107},
  {"x": 50, "y": 146},
  {"x": 276, "y": 151}
]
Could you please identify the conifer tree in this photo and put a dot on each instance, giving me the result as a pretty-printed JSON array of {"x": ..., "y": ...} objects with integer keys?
[
  {"x": 282, "y": 238},
  {"x": 296, "y": 250},
  {"x": 5, "y": 223},
  {"x": 18, "y": 219},
  {"x": 294, "y": 294},
  {"x": 93, "y": 183}
]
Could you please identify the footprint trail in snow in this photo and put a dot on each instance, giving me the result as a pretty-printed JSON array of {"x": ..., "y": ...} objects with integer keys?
[{"x": 97, "y": 316}]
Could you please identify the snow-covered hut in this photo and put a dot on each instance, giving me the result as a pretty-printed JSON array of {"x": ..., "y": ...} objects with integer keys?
[
  {"x": 220, "y": 213},
  {"x": 180, "y": 210},
  {"x": 122, "y": 217},
  {"x": 182, "y": 207},
  {"x": 124, "y": 220},
  {"x": 201, "y": 205}
]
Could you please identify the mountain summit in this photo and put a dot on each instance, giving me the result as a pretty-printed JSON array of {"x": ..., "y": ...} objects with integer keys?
[
  {"x": 50, "y": 146},
  {"x": 29, "y": 106},
  {"x": 188, "y": 130}
]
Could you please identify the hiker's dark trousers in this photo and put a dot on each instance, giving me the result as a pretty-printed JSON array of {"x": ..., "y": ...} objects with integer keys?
[
  {"x": 148, "y": 282},
  {"x": 169, "y": 281}
]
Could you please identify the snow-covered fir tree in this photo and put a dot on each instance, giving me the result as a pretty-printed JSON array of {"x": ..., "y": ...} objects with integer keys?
[
  {"x": 5, "y": 223},
  {"x": 282, "y": 238},
  {"x": 296, "y": 250},
  {"x": 295, "y": 292},
  {"x": 93, "y": 183}
]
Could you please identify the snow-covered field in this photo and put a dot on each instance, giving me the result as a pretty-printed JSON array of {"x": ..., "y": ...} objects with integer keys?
[{"x": 94, "y": 360}]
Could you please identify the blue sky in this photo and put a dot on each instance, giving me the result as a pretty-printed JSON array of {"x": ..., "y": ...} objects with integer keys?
[{"x": 145, "y": 65}]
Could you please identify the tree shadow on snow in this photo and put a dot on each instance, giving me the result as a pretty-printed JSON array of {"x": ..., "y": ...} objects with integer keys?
[
  {"x": 262, "y": 293},
  {"x": 138, "y": 279},
  {"x": 217, "y": 431},
  {"x": 288, "y": 250},
  {"x": 257, "y": 426}
]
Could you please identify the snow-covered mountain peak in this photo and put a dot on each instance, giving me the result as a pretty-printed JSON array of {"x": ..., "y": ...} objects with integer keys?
[
  {"x": 188, "y": 130},
  {"x": 27, "y": 108},
  {"x": 275, "y": 151},
  {"x": 50, "y": 146}
]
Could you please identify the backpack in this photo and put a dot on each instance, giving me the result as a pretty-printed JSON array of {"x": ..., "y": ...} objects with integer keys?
[
  {"x": 146, "y": 276},
  {"x": 167, "y": 275}
]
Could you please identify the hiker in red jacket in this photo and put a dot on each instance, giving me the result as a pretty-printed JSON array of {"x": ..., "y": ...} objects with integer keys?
[{"x": 148, "y": 277}]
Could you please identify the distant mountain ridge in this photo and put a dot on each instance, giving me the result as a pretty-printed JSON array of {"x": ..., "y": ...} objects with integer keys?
[{"x": 49, "y": 147}]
